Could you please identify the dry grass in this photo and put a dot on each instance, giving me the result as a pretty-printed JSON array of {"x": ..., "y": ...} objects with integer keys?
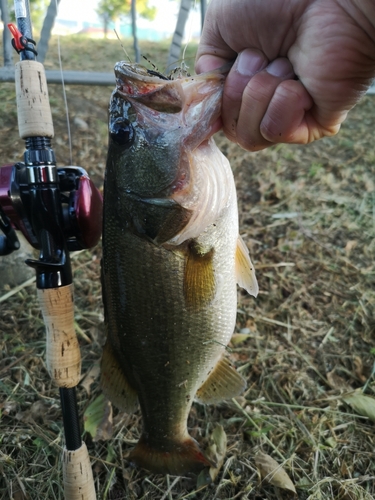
[{"x": 308, "y": 217}]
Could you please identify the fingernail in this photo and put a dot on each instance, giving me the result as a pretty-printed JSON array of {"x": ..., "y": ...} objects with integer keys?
[
  {"x": 250, "y": 62},
  {"x": 280, "y": 67},
  {"x": 208, "y": 63}
]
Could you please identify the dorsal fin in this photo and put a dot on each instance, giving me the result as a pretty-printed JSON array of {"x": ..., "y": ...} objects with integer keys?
[{"x": 245, "y": 272}]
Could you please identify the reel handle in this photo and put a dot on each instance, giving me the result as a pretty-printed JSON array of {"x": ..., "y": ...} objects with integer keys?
[
  {"x": 77, "y": 475},
  {"x": 33, "y": 108},
  {"x": 63, "y": 354}
]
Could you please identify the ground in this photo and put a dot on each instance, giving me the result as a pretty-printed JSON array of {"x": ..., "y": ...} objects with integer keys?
[{"x": 306, "y": 345}]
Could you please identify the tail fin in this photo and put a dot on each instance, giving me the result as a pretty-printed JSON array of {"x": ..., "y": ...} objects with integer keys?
[{"x": 175, "y": 458}]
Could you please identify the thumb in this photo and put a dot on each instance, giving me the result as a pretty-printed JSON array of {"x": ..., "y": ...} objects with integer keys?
[{"x": 207, "y": 62}]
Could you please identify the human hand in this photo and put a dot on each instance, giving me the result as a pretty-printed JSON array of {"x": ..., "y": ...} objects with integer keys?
[{"x": 299, "y": 65}]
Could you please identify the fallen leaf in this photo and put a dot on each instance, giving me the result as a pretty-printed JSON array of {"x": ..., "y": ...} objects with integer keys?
[
  {"x": 95, "y": 332},
  {"x": 98, "y": 419},
  {"x": 331, "y": 442},
  {"x": 337, "y": 382},
  {"x": 362, "y": 404},
  {"x": 80, "y": 123},
  {"x": 239, "y": 338},
  {"x": 305, "y": 484},
  {"x": 20, "y": 491},
  {"x": 349, "y": 246},
  {"x": 36, "y": 413},
  {"x": 273, "y": 473},
  {"x": 216, "y": 451},
  {"x": 345, "y": 470},
  {"x": 19, "y": 495},
  {"x": 8, "y": 407},
  {"x": 203, "y": 478},
  {"x": 90, "y": 377},
  {"x": 358, "y": 368}
]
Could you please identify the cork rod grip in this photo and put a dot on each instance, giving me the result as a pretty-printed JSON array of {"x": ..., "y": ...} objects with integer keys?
[
  {"x": 33, "y": 109},
  {"x": 77, "y": 474},
  {"x": 62, "y": 349}
]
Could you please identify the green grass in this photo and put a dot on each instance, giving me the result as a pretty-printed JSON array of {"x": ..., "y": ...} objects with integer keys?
[{"x": 100, "y": 55}]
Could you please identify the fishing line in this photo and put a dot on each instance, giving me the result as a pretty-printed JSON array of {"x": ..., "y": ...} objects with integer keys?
[
  {"x": 123, "y": 48},
  {"x": 64, "y": 95},
  {"x": 212, "y": 341},
  {"x": 184, "y": 67},
  {"x": 182, "y": 70}
]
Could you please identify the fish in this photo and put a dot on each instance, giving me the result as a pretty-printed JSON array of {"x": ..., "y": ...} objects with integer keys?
[{"x": 172, "y": 258}]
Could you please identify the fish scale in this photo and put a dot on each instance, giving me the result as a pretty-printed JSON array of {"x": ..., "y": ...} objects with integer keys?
[
  {"x": 152, "y": 280},
  {"x": 170, "y": 301}
]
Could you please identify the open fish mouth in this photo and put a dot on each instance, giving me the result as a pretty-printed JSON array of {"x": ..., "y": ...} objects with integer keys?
[{"x": 162, "y": 93}]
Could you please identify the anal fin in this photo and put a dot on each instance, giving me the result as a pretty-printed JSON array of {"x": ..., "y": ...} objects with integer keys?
[
  {"x": 224, "y": 382},
  {"x": 245, "y": 272},
  {"x": 114, "y": 382}
]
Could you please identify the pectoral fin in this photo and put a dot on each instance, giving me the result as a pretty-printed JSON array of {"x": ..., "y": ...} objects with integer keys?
[
  {"x": 224, "y": 382},
  {"x": 114, "y": 383},
  {"x": 199, "y": 279},
  {"x": 245, "y": 272}
]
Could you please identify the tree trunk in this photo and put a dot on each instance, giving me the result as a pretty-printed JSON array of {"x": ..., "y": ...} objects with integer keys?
[
  {"x": 134, "y": 31},
  {"x": 175, "y": 49},
  {"x": 7, "y": 44},
  {"x": 105, "y": 25},
  {"x": 203, "y": 11},
  {"x": 45, "y": 35}
]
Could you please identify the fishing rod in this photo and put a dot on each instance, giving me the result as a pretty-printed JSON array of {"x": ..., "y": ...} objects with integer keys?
[{"x": 58, "y": 210}]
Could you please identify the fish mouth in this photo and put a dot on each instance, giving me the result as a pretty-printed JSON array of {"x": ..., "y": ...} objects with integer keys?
[
  {"x": 136, "y": 83},
  {"x": 130, "y": 70},
  {"x": 136, "y": 72}
]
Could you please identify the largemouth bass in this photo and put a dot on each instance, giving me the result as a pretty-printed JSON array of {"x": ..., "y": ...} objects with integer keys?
[{"x": 172, "y": 257}]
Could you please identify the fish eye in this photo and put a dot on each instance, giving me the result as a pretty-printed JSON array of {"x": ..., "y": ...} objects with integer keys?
[{"x": 122, "y": 133}]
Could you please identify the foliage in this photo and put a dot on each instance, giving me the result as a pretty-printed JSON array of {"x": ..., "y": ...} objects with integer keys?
[
  {"x": 111, "y": 10},
  {"x": 37, "y": 10}
]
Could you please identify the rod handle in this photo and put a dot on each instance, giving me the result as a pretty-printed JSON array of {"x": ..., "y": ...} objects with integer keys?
[
  {"x": 63, "y": 354},
  {"x": 77, "y": 475},
  {"x": 33, "y": 109}
]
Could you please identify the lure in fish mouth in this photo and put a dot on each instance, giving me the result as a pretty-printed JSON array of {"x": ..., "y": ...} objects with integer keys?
[{"x": 172, "y": 257}]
